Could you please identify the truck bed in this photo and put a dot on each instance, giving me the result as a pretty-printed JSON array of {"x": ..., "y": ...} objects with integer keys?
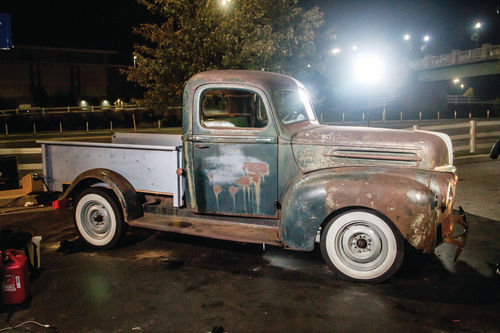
[{"x": 148, "y": 161}]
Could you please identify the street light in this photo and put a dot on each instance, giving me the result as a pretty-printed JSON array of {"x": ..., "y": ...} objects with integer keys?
[
  {"x": 335, "y": 51},
  {"x": 477, "y": 29},
  {"x": 456, "y": 81},
  {"x": 427, "y": 38},
  {"x": 135, "y": 60},
  {"x": 406, "y": 37}
]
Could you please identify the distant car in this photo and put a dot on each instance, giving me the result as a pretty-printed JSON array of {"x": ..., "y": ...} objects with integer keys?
[{"x": 495, "y": 150}]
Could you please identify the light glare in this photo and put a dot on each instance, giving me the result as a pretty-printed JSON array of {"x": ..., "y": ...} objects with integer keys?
[
  {"x": 478, "y": 25},
  {"x": 427, "y": 38},
  {"x": 368, "y": 69},
  {"x": 406, "y": 37}
]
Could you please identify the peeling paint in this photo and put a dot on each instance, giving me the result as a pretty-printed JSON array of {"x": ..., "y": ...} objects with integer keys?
[
  {"x": 331, "y": 146},
  {"x": 399, "y": 194}
]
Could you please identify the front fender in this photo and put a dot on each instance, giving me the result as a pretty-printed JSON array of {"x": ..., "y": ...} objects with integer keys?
[
  {"x": 403, "y": 196},
  {"x": 122, "y": 188}
]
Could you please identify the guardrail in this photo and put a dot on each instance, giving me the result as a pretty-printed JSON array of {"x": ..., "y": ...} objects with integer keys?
[
  {"x": 457, "y": 57},
  {"x": 63, "y": 119},
  {"x": 472, "y": 136},
  {"x": 458, "y": 99},
  {"x": 68, "y": 109}
]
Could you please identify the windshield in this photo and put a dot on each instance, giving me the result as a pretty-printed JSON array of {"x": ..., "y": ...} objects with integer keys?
[{"x": 293, "y": 105}]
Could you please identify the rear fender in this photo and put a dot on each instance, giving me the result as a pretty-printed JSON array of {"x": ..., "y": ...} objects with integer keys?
[
  {"x": 121, "y": 187},
  {"x": 400, "y": 195}
]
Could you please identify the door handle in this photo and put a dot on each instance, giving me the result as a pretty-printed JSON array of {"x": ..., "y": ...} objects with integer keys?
[{"x": 201, "y": 146}]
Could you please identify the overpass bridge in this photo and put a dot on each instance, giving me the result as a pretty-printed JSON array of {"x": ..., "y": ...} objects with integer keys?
[{"x": 481, "y": 61}]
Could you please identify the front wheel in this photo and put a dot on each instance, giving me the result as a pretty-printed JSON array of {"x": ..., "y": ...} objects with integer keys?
[
  {"x": 361, "y": 246},
  {"x": 98, "y": 218}
]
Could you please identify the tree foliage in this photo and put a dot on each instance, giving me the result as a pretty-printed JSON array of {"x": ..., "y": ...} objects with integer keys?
[{"x": 199, "y": 35}]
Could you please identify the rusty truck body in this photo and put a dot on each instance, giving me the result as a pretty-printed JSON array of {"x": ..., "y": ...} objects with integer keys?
[{"x": 253, "y": 164}]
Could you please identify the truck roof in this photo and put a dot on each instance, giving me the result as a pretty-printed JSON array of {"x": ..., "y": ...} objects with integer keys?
[{"x": 264, "y": 80}]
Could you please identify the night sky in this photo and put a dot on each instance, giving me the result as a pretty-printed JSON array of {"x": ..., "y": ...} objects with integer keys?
[{"x": 107, "y": 24}]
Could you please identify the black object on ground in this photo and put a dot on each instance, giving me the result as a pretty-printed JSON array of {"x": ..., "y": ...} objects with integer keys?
[
  {"x": 495, "y": 150},
  {"x": 10, "y": 239},
  {"x": 9, "y": 178},
  {"x": 73, "y": 246}
]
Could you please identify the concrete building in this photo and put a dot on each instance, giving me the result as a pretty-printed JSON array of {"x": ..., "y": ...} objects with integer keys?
[{"x": 46, "y": 76}]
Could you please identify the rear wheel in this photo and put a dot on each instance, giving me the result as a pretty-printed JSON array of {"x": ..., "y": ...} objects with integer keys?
[
  {"x": 98, "y": 218},
  {"x": 361, "y": 246}
]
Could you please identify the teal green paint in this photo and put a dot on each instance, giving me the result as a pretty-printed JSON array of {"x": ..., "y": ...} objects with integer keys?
[
  {"x": 287, "y": 167},
  {"x": 187, "y": 155},
  {"x": 461, "y": 71},
  {"x": 236, "y": 178}
]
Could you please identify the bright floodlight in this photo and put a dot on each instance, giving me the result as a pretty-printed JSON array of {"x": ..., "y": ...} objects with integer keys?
[
  {"x": 478, "y": 25},
  {"x": 427, "y": 38},
  {"x": 462, "y": 86},
  {"x": 368, "y": 69},
  {"x": 406, "y": 37},
  {"x": 456, "y": 80}
]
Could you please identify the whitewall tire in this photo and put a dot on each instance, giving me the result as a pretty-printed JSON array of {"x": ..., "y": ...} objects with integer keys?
[
  {"x": 98, "y": 218},
  {"x": 360, "y": 245}
]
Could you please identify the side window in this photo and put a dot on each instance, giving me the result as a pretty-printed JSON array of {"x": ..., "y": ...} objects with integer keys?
[{"x": 235, "y": 108}]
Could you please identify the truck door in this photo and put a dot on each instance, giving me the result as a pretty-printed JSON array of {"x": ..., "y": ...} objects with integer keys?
[{"x": 235, "y": 152}]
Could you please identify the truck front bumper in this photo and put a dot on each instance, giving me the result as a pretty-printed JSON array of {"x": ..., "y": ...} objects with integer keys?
[{"x": 457, "y": 236}]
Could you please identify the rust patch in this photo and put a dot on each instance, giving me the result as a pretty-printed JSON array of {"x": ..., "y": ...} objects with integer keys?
[
  {"x": 217, "y": 189},
  {"x": 406, "y": 202},
  {"x": 232, "y": 191},
  {"x": 256, "y": 171}
]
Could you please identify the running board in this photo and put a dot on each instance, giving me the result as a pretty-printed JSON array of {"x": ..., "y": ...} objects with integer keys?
[{"x": 211, "y": 228}]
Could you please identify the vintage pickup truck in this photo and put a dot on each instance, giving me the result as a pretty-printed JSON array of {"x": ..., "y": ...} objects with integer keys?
[{"x": 254, "y": 165}]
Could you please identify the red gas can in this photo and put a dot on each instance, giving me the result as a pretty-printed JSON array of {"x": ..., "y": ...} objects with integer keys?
[{"x": 14, "y": 277}]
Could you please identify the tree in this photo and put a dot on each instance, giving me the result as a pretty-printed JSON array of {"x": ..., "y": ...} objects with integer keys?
[{"x": 199, "y": 35}]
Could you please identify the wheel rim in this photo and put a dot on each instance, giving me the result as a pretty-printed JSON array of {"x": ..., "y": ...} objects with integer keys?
[
  {"x": 96, "y": 219},
  {"x": 361, "y": 245}
]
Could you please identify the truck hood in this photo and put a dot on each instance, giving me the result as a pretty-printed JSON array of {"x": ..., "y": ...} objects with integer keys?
[{"x": 338, "y": 146}]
